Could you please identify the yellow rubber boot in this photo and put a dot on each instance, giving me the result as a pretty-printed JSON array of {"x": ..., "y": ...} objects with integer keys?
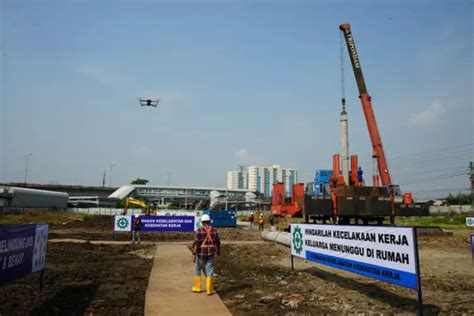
[
  {"x": 209, "y": 285},
  {"x": 197, "y": 284}
]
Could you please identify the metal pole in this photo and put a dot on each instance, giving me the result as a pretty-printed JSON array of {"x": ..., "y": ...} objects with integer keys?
[
  {"x": 226, "y": 197},
  {"x": 292, "y": 263},
  {"x": 41, "y": 281},
  {"x": 110, "y": 173},
  {"x": 186, "y": 200},
  {"x": 26, "y": 166},
  {"x": 471, "y": 171},
  {"x": 418, "y": 277}
]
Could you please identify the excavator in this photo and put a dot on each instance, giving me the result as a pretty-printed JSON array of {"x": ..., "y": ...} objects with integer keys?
[
  {"x": 350, "y": 200},
  {"x": 148, "y": 209}
]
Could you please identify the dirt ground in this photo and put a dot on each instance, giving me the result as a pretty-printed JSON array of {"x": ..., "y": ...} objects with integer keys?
[
  {"x": 101, "y": 228},
  {"x": 252, "y": 279},
  {"x": 256, "y": 280},
  {"x": 83, "y": 279}
]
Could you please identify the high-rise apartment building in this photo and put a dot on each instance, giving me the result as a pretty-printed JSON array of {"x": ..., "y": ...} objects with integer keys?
[
  {"x": 261, "y": 179},
  {"x": 237, "y": 179}
]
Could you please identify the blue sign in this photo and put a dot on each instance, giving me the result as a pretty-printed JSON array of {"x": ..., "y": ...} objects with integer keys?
[
  {"x": 22, "y": 250},
  {"x": 385, "y": 253},
  {"x": 472, "y": 246},
  {"x": 370, "y": 270},
  {"x": 167, "y": 223}
]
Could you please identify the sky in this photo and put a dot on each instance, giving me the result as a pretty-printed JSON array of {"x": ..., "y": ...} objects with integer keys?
[{"x": 240, "y": 83}]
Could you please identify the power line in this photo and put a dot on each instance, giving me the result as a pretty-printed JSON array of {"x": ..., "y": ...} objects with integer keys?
[
  {"x": 427, "y": 163},
  {"x": 469, "y": 153},
  {"x": 432, "y": 151},
  {"x": 436, "y": 178},
  {"x": 407, "y": 156},
  {"x": 430, "y": 171},
  {"x": 440, "y": 190}
]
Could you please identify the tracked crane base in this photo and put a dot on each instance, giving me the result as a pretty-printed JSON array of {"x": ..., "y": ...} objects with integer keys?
[{"x": 169, "y": 287}]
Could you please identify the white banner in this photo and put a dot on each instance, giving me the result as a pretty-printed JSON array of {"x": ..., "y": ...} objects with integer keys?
[
  {"x": 123, "y": 223},
  {"x": 39, "y": 250},
  {"x": 384, "y": 253}
]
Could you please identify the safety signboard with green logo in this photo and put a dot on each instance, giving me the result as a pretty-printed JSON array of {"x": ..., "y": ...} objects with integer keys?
[
  {"x": 470, "y": 221},
  {"x": 123, "y": 223},
  {"x": 381, "y": 252}
]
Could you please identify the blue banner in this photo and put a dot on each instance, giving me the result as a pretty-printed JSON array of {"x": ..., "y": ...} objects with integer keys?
[
  {"x": 22, "y": 250},
  {"x": 167, "y": 223},
  {"x": 377, "y": 272}
]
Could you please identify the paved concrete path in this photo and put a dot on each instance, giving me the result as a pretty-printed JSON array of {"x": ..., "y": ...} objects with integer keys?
[{"x": 169, "y": 287}]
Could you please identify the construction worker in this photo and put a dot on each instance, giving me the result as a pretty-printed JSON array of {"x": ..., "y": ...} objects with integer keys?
[
  {"x": 271, "y": 220},
  {"x": 206, "y": 246},
  {"x": 261, "y": 221},
  {"x": 251, "y": 220},
  {"x": 137, "y": 223}
]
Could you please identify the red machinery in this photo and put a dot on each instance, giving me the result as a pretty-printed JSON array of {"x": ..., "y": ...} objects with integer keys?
[
  {"x": 280, "y": 205},
  {"x": 352, "y": 200}
]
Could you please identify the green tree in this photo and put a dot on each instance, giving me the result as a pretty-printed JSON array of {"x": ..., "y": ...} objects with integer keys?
[
  {"x": 139, "y": 181},
  {"x": 459, "y": 199}
]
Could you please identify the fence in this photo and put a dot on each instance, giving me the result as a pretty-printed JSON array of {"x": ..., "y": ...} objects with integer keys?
[
  {"x": 456, "y": 209},
  {"x": 104, "y": 211}
]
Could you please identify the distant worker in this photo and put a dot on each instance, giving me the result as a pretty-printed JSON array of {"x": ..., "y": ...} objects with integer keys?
[
  {"x": 360, "y": 177},
  {"x": 137, "y": 223},
  {"x": 261, "y": 221},
  {"x": 251, "y": 220},
  {"x": 206, "y": 246},
  {"x": 271, "y": 220}
]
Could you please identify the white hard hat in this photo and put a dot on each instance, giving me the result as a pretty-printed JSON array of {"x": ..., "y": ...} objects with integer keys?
[
  {"x": 251, "y": 213},
  {"x": 205, "y": 218}
]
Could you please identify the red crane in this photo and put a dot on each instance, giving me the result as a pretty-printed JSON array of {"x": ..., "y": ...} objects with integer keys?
[{"x": 365, "y": 99}]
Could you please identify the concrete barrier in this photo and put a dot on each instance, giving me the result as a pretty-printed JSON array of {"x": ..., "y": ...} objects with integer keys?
[{"x": 451, "y": 209}]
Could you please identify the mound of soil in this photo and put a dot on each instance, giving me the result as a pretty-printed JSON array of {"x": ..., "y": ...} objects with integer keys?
[{"x": 82, "y": 279}]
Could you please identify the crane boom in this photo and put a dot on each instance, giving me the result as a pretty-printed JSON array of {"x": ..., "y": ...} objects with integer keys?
[{"x": 365, "y": 99}]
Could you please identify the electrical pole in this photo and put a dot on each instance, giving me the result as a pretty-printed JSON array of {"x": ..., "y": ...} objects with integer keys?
[
  {"x": 103, "y": 180},
  {"x": 471, "y": 172},
  {"x": 110, "y": 173},
  {"x": 226, "y": 198},
  {"x": 26, "y": 165}
]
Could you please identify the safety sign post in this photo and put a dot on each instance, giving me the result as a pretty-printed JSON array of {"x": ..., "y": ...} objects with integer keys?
[
  {"x": 472, "y": 247},
  {"x": 386, "y": 253},
  {"x": 22, "y": 251},
  {"x": 418, "y": 278}
]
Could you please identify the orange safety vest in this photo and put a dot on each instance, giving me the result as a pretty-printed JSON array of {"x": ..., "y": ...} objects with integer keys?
[
  {"x": 261, "y": 220},
  {"x": 208, "y": 238}
]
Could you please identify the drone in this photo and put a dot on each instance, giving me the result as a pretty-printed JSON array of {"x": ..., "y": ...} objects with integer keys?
[{"x": 149, "y": 102}]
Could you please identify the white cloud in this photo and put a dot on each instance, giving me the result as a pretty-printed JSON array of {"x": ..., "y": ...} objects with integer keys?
[
  {"x": 99, "y": 72},
  {"x": 143, "y": 151},
  {"x": 241, "y": 155},
  {"x": 429, "y": 115}
]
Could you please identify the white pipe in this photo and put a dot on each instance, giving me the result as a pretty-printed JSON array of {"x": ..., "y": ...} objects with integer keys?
[
  {"x": 282, "y": 238},
  {"x": 344, "y": 148}
]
